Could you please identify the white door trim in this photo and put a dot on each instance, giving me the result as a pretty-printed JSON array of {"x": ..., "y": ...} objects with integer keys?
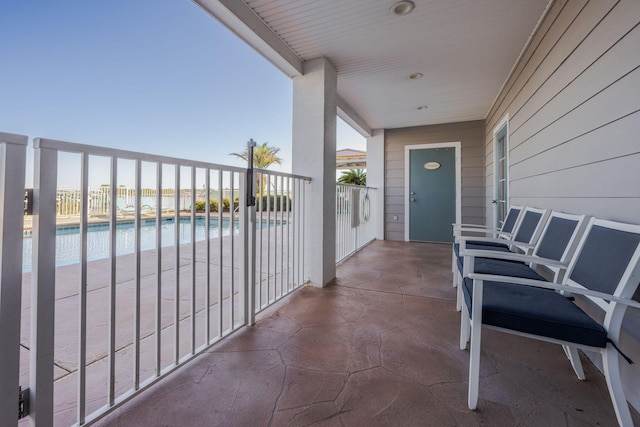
[
  {"x": 407, "y": 149},
  {"x": 501, "y": 124}
]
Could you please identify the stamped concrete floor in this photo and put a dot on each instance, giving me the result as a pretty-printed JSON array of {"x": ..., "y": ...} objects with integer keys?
[{"x": 377, "y": 348}]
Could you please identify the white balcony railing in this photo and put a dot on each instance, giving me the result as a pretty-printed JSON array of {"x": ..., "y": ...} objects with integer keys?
[
  {"x": 185, "y": 263},
  {"x": 355, "y": 221},
  {"x": 279, "y": 236},
  {"x": 181, "y": 262}
]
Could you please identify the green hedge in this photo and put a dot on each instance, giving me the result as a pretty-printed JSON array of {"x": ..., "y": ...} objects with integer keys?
[
  {"x": 213, "y": 205},
  {"x": 273, "y": 201}
]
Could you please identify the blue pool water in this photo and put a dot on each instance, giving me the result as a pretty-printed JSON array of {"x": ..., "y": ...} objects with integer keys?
[{"x": 68, "y": 238}]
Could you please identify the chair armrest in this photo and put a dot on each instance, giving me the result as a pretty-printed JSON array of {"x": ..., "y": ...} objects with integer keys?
[
  {"x": 464, "y": 232},
  {"x": 523, "y": 244},
  {"x": 463, "y": 240},
  {"x": 554, "y": 286},
  {"x": 457, "y": 226},
  {"x": 511, "y": 256},
  {"x": 480, "y": 230}
]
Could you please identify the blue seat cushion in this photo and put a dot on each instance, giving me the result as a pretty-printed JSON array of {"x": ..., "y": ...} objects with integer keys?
[
  {"x": 536, "y": 311},
  {"x": 502, "y": 267},
  {"x": 483, "y": 246}
]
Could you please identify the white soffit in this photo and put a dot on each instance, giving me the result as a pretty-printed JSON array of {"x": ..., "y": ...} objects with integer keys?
[{"x": 465, "y": 50}]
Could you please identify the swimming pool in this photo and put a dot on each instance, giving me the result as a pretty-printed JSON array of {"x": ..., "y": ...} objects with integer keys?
[{"x": 98, "y": 240}]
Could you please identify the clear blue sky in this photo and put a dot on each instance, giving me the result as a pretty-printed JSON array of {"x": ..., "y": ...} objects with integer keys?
[{"x": 158, "y": 76}]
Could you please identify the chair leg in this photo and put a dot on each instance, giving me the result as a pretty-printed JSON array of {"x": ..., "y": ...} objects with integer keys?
[
  {"x": 474, "y": 353},
  {"x": 455, "y": 278},
  {"x": 611, "y": 362},
  {"x": 576, "y": 363},
  {"x": 464, "y": 329},
  {"x": 566, "y": 351},
  {"x": 454, "y": 265},
  {"x": 459, "y": 296},
  {"x": 474, "y": 366}
]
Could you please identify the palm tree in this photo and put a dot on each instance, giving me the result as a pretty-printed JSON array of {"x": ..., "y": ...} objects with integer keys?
[
  {"x": 263, "y": 157},
  {"x": 353, "y": 176}
]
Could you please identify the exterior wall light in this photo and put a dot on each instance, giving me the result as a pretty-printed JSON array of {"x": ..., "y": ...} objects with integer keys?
[
  {"x": 415, "y": 76},
  {"x": 422, "y": 107},
  {"x": 402, "y": 7}
]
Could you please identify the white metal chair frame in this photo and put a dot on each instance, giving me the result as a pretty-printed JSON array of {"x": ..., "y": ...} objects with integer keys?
[
  {"x": 552, "y": 269},
  {"x": 497, "y": 233},
  {"x": 515, "y": 246},
  {"x": 613, "y": 304}
]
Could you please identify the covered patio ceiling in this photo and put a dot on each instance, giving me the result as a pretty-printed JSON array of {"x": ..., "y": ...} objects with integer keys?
[{"x": 464, "y": 49}]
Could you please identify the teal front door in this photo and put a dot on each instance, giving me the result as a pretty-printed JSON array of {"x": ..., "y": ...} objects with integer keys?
[{"x": 432, "y": 194}]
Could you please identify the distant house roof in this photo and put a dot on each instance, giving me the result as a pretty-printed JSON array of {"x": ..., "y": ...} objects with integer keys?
[{"x": 351, "y": 159}]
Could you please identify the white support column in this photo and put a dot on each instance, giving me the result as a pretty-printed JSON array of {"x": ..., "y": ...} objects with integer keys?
[
  {"x": 314, "y": 155},
  {"x": 375, "y": 176},
  {"x": 12, "y": 166}
]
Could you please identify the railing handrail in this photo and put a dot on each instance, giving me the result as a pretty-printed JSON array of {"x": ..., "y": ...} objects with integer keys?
[
  {"x": 93, "y": 150},
  {"x": 355, "y": 186},
  {"x": 13, "y": 138},
  {"x": 283, "y": 174}
]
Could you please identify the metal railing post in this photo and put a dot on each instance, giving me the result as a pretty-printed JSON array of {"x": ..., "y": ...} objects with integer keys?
[
  {"x": 250, "y": 239},
  {"x": 82, "y": 290},
  {"x": 43, "y": 285},
  {"x": 12, "y": 166},
  {"x": 111, "y": 335}
]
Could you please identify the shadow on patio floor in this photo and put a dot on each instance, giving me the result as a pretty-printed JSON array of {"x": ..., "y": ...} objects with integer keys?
[{"x": 379, "y": 347}]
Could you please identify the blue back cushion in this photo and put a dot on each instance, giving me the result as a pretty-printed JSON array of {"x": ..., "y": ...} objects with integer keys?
[
  {"x": 528, "y": 226},
  {"x": 510, "y": 220},
  {"x": 556, "y": 238},
  {"x": 604, "y": 258}
]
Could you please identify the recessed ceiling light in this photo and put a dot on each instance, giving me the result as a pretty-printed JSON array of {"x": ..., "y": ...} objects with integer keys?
[
  {"x": 402, "y": 7},
  {"x": 415, "y": 76},
  {"x": 422, "y": 107}
]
